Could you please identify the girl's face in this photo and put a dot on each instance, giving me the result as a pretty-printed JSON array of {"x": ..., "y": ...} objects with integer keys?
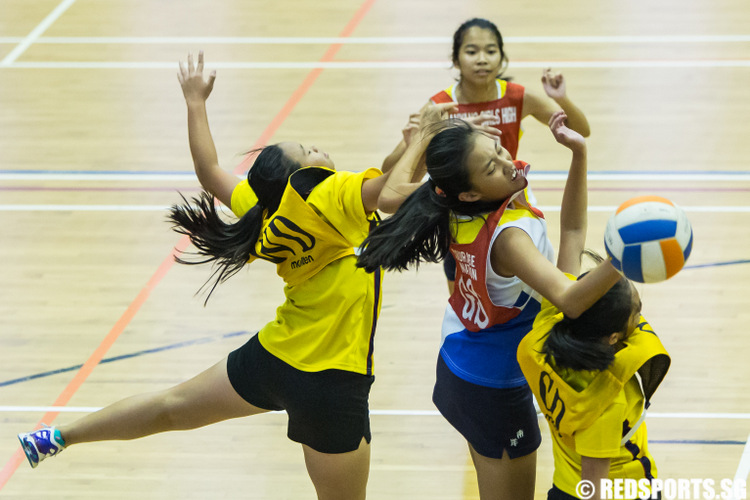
[
  {"x": 309, "y": 156},
  {"x": 479, "y": 58},
  {"x": 633, "y": 321},
  {"x": 492, "y": 174},
  {"x": 635, "y": 316}
]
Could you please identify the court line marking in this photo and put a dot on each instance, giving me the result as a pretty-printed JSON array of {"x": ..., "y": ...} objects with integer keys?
[
  {"x": 743, "y": 469},
  {"x": 399, "y": 40},
  {"x": 130, "y": 355},
  {"x": 541, "y": 175},
  {"x": 29, "y": 39},
  {"x": 304, "y": 87},
  {"x": 406, "y": 65},
  {"x": 16, "y": 459},
  {"x": 397, "y": 412},
  {"x": 160, "y": 208},
  {"x": 12, "y": 464},
  {"x": 196, "y": 188}
]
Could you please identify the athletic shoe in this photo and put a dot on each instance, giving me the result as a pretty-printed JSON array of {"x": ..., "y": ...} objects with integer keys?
[{"x": 40, "y": 444}]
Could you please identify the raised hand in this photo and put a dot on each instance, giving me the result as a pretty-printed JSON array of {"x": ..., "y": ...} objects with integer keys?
[
  {"x": 479, "y": 122},
  {"x": 194, "y": 87},
  {"x": 553, "y": 83},
  {"x": 564, "y": 135},
  {"x": 432, "y": 115},
  {"x": 411, "y": 129}
]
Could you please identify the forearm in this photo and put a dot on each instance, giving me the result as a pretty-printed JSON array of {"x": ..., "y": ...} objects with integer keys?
[
  {"x": 399, "y": 185},
  {"x": 391, "y": 160},
  {"x": 576, "y": 119},
  {"x": 582, "y": 294},
  {"x": 573, "y": 210},
  {"x": 202, "y": 146},
  {"x": 594, "y": 470}
]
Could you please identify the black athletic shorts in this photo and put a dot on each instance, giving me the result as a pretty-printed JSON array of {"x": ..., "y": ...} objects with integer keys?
[
  {"x": 492, "y": 420},
  {"x": 328, "y": 410},
  {"x": 449, "y": 267},
  {"x": 556, "y": 493}
]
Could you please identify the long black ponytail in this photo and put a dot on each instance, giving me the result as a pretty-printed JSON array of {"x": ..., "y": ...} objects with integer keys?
[
  {"x": 419, "y": 231},
  {"x": 229, "y": 245},
  {"x": 579, "y": 344}
]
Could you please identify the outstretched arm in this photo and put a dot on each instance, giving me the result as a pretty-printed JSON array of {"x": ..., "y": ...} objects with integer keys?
[
  {"x": 196, "y": 90},
  {"x": 573, "y": 220},
  {"x": 409, "y": 132},
  {"x": 542, "y": 108},
  {"x": 514, "y": 254},
  {"x": 400, "y": 183}
]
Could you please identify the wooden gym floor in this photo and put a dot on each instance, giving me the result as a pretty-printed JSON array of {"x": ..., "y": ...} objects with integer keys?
[{"x": 93, "y": 147}]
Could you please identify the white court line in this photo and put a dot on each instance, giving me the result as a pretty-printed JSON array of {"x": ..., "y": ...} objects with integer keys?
[
  {"x": 407, "y": 65},
  {"x": 743, "y": 469},
  {"x": 45, "y": 176},
  {"x": 36, "y": 33},
  {"x": 159, "y": 208},
  {"x": 395, "y": 40},
  {"x": 404, "y": 413},
  {"x": 539, "y": 176},
  {"x": 83, "y": 208}
]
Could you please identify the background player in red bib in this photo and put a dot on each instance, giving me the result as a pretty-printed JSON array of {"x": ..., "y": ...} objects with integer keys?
[{"x": 479, "y": 56}]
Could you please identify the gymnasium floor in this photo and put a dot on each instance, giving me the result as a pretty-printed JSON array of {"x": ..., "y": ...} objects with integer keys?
[{"x": 93, "y": 148}]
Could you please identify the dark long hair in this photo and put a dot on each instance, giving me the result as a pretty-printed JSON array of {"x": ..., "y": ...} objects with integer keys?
[
  {"x": 458, "y": 40},
  {"x": 419, "y": 231},
  {"x": 579, "y": 344},
  {"x": 229, "y": 245}
]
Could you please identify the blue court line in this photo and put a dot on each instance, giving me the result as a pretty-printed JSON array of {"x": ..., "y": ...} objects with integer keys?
[
  {"x": 188, "y": 343},
  {"x": 205, "y": 340},
  {"x": 716, "y": 264}
]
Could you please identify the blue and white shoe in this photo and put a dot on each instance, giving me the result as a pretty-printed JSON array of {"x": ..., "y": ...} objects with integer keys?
[{"x": 40, "y": 444}]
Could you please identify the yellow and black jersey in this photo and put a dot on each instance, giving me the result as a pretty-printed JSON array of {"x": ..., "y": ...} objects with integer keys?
[
  {"x": 596, "y": 413},
  {"x": 329, "y": 317}
]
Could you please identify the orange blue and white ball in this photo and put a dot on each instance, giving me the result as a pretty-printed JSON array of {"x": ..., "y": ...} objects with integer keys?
[{"x": 648, "y": 239}]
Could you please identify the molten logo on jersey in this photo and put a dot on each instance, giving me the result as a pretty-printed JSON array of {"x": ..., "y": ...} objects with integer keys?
[{"x": 283, "y": 239}]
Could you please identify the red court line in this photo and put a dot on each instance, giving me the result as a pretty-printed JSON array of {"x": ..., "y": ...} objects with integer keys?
[
  {"x": 12, "y": 465},
  {"x": 304, "y": 87}
]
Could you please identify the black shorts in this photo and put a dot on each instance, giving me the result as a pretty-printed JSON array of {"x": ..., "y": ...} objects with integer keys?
[
  {"x": 449, "y": 267},
  {"x": 492, "y": 420},
  {"x": 556, "y": 493},
  {"x": 328, "y": 410}
]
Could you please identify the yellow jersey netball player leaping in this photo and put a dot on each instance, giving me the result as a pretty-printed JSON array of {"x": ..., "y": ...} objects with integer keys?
[{"x": 315, "y": 359}]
